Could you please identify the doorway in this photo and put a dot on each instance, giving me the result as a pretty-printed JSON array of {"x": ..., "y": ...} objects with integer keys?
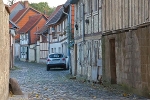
[{"x": 112, "y": 61}]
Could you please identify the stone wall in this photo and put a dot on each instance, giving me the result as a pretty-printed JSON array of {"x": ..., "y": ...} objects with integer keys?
[
  {"x": 132, "y": 58},
  {"x": 4, "y": 52}
]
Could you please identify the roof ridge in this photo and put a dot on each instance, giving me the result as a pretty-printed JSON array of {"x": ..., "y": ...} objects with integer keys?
[
  {"x": 21, "y": 14},
  {"x": 39, "y": 16}
]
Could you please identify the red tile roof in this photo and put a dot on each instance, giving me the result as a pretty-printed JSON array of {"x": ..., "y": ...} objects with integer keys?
[
  {"x": 32, "y": 20},
  {"x": 19, "y": 14}
]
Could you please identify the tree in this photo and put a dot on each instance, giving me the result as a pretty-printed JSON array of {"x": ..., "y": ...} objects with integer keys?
[
  {"x": 10, "y": 2},
  {"x": 43, "y": 7}
]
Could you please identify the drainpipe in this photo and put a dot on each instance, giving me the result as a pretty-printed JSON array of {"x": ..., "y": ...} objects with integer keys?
[
  {"x": 49, "y": 40},
  {"x": 68, "y": 40},
  {"x": 83, "y": 24}
]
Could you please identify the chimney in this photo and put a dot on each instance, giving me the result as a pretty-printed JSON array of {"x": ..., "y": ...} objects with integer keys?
[{"x": 26, "y": 3}]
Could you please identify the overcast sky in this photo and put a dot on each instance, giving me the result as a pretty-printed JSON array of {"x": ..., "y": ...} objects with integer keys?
[{"x": 52, "y": 3}]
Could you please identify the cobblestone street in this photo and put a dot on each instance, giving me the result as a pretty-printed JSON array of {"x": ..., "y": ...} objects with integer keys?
[{"x": 40, "y": 84}]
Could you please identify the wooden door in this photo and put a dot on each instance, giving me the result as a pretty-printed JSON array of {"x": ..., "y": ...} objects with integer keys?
[{"x": 112, "y": 61}]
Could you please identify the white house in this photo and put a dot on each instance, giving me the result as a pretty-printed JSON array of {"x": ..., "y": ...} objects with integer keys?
[{"x": 53, "y": 35}]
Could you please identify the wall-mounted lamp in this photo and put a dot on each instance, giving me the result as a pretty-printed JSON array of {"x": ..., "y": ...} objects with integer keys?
[
  {"x": 76, "y": 26},
  {"x": 87, "y": 21}
]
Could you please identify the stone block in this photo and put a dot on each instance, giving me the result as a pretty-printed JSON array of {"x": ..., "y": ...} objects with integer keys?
[
  {"x": 144, "y": 77},
  {"x": 14, "y": 87}
]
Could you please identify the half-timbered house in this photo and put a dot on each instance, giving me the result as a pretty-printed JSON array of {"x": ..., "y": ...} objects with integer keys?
[
  {"x": 28, "y": 38},
  {"x": 87, "y": 57}
]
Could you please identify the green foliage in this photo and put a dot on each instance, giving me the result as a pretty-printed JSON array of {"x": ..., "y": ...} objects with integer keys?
[{"x": 43, "y": 7}]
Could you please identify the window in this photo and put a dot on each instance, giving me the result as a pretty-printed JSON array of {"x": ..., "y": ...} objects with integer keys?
[
  {"x": 89, "y": 6},
  {"x": 22, "y": 37},
  {"x": 95, "y": 5},
  {"x": 59, "y": 49},
  {"x": 52, "y": 50},
  {"x": 58, "y": 28},
  {"x": 26, "y": 36}
]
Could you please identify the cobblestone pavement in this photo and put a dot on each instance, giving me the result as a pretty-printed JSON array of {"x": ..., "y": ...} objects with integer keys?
[{"x": 55, "y": 85}]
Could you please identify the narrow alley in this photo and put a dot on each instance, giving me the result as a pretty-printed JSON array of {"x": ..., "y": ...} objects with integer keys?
[{"x": 55, "y": 84}]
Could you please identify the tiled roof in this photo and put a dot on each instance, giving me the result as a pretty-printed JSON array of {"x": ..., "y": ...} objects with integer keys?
[
  {"x": 44, "y": 29},
  {"x": 12, "y": 24},
  {"x": 19, "y": 14},
  {"x": 13, "y": 6},
  {"x": 67, "y": 3},
  {"x": 54, "y": 17},
  {"x": 32, "y": 20}
]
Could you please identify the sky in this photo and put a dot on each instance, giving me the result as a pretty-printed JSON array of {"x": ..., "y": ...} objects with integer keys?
[{"x": 51, "y": 3}]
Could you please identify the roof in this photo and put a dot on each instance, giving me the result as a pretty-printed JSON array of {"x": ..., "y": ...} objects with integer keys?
[
  {"x": 73, "y": 1},
  {"x": 67, "y": 3},
  {"x": 32, "y": 21},
  {"x": 14, "y": 5},
  {"x": 44, "y": 29},
  {"x": 55, "y": 15},
  {"x": 13, "y": 25},
  {"x": 21, "y": 13}
]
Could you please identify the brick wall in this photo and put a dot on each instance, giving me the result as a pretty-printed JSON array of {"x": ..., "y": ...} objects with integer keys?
[{"x": 4, "y": 52}]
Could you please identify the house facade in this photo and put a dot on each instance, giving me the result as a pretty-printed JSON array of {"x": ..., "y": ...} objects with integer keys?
[
  {"x": 4, "y": 51},
  {"x": 20, "y": 19},
  {"x": 28, "y": 38},
  {"x": 54, "y": 39},
  {"x": 126, "y": 43},
  {"x": 87, "y": 53},
  {"x": 43, "y": 42}
]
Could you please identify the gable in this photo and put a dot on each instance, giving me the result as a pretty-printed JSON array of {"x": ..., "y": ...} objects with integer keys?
[
  {"x": 15, "y": 9},
  {"x": 35, "y": 28},
  {"x": 25, "y": 14}
]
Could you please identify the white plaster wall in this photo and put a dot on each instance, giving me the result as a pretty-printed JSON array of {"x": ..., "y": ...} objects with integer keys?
[
  {"x": 32, "y": 53},
  {"x": 38, "y": 52},
  {"x": 17, "y": 50}
]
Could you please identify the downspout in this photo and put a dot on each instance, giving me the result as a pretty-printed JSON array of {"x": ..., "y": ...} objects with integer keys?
[
  {"x": 49, "y": 40},
  {"x": 68, "y": 39},
  {"x": 83, "y": 24}
]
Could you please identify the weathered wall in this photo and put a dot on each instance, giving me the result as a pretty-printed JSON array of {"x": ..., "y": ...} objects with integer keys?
[
  {"x": 87, "y": 37},
  {"x": 88, "y": 54},
  {"x": 4, "y": 52},
  {"x": 132, "y": 58},
  {"x": 121, "y": 14},
  {"x": 32, "y": 53}
]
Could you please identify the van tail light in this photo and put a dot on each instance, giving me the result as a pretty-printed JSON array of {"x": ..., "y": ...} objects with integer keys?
[
  {"x": 48, "y": 60},
  {"x": 63, "y": 59}
]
